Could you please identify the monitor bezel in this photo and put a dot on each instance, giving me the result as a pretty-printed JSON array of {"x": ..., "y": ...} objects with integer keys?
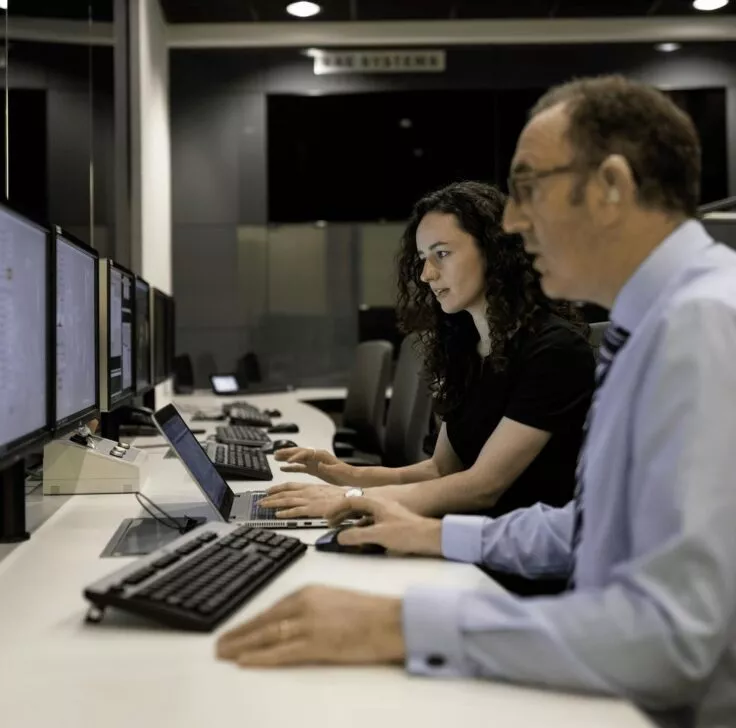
[
  {"x": 151, "y": 383},
  {"x": 82, "y": 417},
  {"x": 16, "y": 449}
]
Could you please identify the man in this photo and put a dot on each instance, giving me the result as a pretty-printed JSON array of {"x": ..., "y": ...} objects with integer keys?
[{"x": 604, "y": 188}]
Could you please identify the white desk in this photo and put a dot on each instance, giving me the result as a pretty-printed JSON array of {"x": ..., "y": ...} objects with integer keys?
[{"x": 56, "y": 670}]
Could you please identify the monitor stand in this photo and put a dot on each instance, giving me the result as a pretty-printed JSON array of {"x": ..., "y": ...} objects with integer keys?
[{"x": 13, "y": 503}]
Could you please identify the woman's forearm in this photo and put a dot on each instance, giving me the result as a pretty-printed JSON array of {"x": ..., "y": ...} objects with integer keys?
[{"x": 373, "y": 477}]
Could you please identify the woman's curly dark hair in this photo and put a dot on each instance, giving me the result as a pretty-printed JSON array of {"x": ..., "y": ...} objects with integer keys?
[{"x": 515, "y": 299}]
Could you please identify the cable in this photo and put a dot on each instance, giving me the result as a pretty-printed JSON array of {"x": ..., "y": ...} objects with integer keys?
[{"x": 188, "y": 525}]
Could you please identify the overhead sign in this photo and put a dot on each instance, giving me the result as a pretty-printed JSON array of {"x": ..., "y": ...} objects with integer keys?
[{"x": 399, "y": 61}]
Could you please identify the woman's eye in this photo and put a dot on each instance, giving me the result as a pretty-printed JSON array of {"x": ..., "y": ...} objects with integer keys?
[{"x": 442, "y": 254}]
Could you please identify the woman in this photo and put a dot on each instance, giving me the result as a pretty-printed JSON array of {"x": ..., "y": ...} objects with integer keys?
[{"x": 511, "y": 372}]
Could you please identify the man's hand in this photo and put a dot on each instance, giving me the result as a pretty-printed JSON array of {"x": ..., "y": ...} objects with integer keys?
[
  {"x": 388, "y": 524},
  {"x": 319, "y": 463},
  {"x": 319, "y": 625},
  {"x": 301, "y": 500}
]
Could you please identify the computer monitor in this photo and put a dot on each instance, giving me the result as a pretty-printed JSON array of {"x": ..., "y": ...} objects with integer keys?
[
  {"x": 143, "y": 353},
  {"x": 722, "y": 227},
  {"x": 117, "y": 291},
  {"x": 160, "y": 322},
  {"x": 76, "y": 334},
  {"x": 25, "y": 342}
]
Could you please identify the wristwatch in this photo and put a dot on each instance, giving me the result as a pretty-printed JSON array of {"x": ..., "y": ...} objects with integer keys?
[{"x": 354, "y": 493}]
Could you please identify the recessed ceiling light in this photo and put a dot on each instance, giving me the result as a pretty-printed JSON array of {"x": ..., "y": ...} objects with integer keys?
[
  {"x": 707, "y": 5},
  {"x": 668, "y": 47},
  {"x": 303, "y": 9}
]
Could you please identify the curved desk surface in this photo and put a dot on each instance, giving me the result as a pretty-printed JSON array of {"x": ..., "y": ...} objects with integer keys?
[{"x": 56, "y": 670}]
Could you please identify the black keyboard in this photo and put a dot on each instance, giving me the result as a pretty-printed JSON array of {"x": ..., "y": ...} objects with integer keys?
[
  {"x": 249, "y": 416},
  {"x": 238, "y": 462},
  {"x": 241, "y": 435},
  {"x": 198, "y": 579}
]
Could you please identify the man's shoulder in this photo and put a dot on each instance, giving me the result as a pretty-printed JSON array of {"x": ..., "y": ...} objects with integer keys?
[{"x": 705, "y": 300}]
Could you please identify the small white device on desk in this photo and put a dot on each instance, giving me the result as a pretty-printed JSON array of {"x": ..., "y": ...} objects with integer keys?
[{"x": 78, "y": 464}]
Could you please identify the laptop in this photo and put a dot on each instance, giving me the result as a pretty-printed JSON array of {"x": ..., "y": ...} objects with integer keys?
[
  {"x": 231, "y": 384},
  {"x": 241, "y": 507}
]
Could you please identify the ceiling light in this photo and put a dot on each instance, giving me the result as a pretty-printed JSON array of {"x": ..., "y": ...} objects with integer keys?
[
  {"x": 303, "y": 9},
  {"x": 3, "y": 4},
  {"x": 668, "y": 47},
  {"x": 706, "y": 5}
]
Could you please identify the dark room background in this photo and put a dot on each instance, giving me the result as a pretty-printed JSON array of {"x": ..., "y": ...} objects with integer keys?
[{"x": 289, "y": 189}]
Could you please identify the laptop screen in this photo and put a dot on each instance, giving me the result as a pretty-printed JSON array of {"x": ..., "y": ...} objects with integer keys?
[
  {"x": 225, "y": 383},
  {"x": 195, "y": 459}
]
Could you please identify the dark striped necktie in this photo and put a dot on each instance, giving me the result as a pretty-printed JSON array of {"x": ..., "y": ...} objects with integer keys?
[{"x": 613, "y": 341}]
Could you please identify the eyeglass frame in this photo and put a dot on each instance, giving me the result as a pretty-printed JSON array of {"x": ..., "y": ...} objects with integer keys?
[{"x": 535, "y": 176}]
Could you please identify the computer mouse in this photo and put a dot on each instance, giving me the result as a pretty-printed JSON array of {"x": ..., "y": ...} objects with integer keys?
[
  {"x": 285, "y": 427},
  {"x": 272, "y": 413},
  {"x": 329, "y": 542},
  {"x": 270, "y": 447}
]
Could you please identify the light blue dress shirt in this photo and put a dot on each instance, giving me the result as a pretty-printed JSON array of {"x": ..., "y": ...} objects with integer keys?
[{"x": 653, "y": 615}]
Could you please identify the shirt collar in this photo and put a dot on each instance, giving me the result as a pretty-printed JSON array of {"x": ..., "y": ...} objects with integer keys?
[{"x": 669, "y": 258}]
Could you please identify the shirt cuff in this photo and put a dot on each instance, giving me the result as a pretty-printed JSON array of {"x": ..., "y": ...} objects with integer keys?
[
  {"x": 432, "y": 636},
  {"x": 462, "y": 538}
]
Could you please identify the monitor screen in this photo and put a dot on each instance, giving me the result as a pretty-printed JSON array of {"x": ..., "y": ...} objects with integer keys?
[
  {"x": 76, "y": 331},
  {"x": 160, "y": 363},
  {"x": 143, "y": 380},
  {"x": 120, "y": 355},
  {"x": 24, "y": 411},
  {"x": 225, "y": 384}
]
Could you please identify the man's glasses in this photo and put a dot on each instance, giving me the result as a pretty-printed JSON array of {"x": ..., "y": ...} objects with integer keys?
[{"x": 521, "y": 185}]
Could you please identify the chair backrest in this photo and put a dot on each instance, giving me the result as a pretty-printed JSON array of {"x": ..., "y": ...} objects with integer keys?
[
  {"x": 365, "y": 404},
  {"x": 597, "y": 332},
  {"x": 407, "y": 420}
]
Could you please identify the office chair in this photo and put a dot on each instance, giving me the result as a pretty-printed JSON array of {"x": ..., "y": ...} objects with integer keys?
[
  {"x": 365, "y": 404},
  {"x": 183, "y": 374},
  {"x": 408, "y": 416},
  {"x": 407, "y": 419},
  {"x": 597, "y": 331}
]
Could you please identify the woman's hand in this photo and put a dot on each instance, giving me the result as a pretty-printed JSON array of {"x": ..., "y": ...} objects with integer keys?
[
  {"x": 319, "y": 463},
  {"x": 301, "y": 500},
  {"x": 387, "y": 524}
]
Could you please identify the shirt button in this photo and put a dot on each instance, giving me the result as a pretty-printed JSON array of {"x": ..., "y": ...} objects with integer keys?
[{"x": 436, "y": 661}]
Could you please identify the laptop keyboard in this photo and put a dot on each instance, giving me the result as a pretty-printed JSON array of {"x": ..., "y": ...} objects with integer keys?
[
  {"x": 199, "y": 579},
  {"x": 257, "y": 512},
  {"x": 241, "y": 435}
]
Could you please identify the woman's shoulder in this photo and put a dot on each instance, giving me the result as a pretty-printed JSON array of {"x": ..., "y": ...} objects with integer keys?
[{"x": 554, "y": 332}]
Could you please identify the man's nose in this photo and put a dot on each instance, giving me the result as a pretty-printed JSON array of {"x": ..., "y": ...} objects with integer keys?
[{"x": 514, "y": 221}]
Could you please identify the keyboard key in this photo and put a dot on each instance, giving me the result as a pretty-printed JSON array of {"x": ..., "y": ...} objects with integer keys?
[
  {"x": 165, "y": 561},
  {"x": 139, "y": 576}
]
